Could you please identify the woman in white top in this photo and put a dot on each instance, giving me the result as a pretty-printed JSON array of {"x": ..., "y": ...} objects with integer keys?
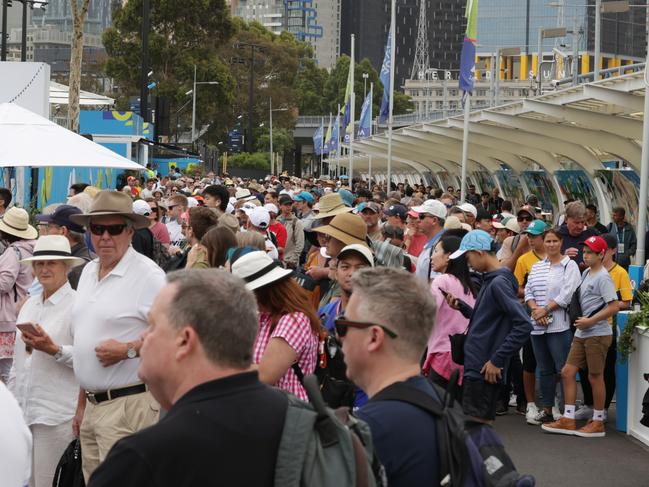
[
  {"x": 42, "y": 378},
  {"x": 550, "y": 286}
]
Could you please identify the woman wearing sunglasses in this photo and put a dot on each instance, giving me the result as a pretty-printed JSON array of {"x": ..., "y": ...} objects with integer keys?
[{"x": 287, "y": 342}]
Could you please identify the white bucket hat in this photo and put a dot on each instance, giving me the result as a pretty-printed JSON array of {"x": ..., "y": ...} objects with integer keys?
[
  {"x": 16, "y": 222},
  {"x": 258, "y": 270},
  {"x": 53, "y": 247}
]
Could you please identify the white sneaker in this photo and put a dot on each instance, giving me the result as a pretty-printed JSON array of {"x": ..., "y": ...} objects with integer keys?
[
  {"x": 512, "y": 401},
  {"x": 540, "y": 418},
  {"x": 531, "y": 414},
  {"x": 556, "y": 414},
  {"x": 583, "y": 413}
]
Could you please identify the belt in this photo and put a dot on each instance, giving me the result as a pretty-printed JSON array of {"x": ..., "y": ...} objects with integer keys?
[{"x": 97, "y": 397}]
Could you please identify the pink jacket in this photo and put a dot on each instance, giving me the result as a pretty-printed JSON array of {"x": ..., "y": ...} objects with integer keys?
[{"x": 15, "y": 280}]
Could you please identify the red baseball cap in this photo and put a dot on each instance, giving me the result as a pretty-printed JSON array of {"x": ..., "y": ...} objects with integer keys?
[{"x": 596, "y": 244}]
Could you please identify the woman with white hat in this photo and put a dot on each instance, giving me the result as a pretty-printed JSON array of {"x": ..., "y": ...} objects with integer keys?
[
  {"x": 286, "y": 346},
  {"x": 41, "y": 378},
  {"x": 15, "y": 278}
]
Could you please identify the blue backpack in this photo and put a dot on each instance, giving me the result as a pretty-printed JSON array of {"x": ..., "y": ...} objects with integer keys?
[{"x": 471, "y": 453}]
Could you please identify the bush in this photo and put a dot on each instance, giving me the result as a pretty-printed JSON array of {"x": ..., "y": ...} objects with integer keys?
[{"x": 255, "y": 160}]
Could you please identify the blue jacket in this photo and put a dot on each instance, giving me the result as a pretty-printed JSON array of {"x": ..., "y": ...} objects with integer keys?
[{"x": 499, "y": 325}]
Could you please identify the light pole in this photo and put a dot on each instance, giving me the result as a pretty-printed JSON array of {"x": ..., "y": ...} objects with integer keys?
[
  {"x": 193, "y": 92},
  {"x": 270, "y": 111},
  {"x": 503, "y": 51},
  {"x": 251, "y": 86},
  {"x": 3, "y": 49},
  {"x": 178, "y": 114},
  {"x": 547, "y": 33},
  {"x": 365, "y": 76}
]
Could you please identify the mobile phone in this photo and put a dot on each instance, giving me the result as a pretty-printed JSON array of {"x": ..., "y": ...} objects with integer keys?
[
  {"x": 27, "y": 327},
  {"x": 444, "y": 293}
]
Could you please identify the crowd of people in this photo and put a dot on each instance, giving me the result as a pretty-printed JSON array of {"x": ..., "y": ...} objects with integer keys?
[{"x": 196, "y": 296}]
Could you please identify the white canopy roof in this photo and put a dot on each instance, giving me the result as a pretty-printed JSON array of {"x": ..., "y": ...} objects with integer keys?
[
  {"x": 27, "y": 139},
  {"x": 59, "y": 95}
]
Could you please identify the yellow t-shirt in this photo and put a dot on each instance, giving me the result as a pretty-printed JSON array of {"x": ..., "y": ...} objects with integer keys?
[
  {"x": 622, "y": 285},
  {"x": 524, "y": 266}
]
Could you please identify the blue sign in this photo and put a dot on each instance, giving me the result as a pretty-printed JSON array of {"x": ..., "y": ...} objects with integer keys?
[{"x": 235, "y": 140}]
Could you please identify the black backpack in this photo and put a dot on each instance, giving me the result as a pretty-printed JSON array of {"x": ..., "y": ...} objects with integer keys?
[
  {"x": 471, "y": 453},
  {"x": 68, "y": 471}
]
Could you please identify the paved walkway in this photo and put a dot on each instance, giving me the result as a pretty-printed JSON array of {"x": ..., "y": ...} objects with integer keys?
[{"x": 557, "y": 460}]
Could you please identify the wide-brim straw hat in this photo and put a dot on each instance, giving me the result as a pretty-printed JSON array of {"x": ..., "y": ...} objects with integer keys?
[
  {"x": 331, "y": 205},
  {"x": 347, "y": 227},
  {"x": 258, "y": 270},
  {"x": 53, "y": 247},
  {"x": 112, "y": 203},
  {"x": 15, "y": 222}
]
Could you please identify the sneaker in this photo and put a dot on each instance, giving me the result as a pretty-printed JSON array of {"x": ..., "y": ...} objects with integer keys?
[
  {"x": 583, "y": 413},
  {"x": 563, "y": 426},
  {"x": 531, "y": 413},
  {"x": 501, "y": 408},
  {"x": 593, "y": 429},
  {"x": 521, "y": 409},
  {"x": 541, "y": 418},
  {"x": 556, "y": 414},
  {"x": 512, "y": 401}
]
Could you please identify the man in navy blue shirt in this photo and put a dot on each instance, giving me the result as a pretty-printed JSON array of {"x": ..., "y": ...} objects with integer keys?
[{"x": 382, "y": 347}]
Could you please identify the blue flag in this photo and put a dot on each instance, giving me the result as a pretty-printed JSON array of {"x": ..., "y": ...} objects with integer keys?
[
  {"x": 385, "y": 79},
  {"x": 333, "y": 143},
  {"x": 467, "y": 58},
  {"x": 365, "y": 124},
  {"x": 317, "y": 140}
]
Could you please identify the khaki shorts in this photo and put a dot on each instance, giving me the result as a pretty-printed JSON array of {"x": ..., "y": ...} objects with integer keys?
[{"x": 589, "y": 353}]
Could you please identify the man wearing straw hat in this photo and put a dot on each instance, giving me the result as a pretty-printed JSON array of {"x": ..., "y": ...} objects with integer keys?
[{"x": 115, "y": 294}]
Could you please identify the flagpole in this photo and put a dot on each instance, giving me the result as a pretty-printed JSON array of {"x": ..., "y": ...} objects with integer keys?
[
  {"x": 370, "y": 155},
  {"x": 465, "y": 146},
  {"x": 392, "y": 63},
  {"x": 352, "y": 116},
  {"x": 322, "y": 146},
  {"x": 338, "y": 148}
]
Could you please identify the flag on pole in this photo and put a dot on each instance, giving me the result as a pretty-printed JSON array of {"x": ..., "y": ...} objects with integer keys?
[
  {"x": 317, "y": 140},
  {"x": 327, "y": 139},
  {"x": 467, "y": 59},
  {"x": 348, "y": 96},
  {"x": 385, "y": 79},
  {"x": 333, "y": 144},
  {"x": 366, "y": 117}
]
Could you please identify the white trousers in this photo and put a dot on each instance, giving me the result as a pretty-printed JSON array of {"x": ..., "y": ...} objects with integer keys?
[{"x": 49, "y": 444}]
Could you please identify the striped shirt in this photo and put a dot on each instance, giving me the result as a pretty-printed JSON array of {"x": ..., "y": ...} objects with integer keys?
[
  {"x": 294, "y": 329},
  {"x": 553, "y": 282}
]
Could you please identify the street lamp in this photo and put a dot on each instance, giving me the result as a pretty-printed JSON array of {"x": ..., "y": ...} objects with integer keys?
[
  {"x": 270, "y": 112},
  {"x": 547, "y": 33},
  {"x": 193, "y": 92},
  {"x": 365, "y": 76}
]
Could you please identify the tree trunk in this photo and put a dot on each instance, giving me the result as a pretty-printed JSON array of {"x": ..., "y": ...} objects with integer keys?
[{"x": 76, "y": 56}]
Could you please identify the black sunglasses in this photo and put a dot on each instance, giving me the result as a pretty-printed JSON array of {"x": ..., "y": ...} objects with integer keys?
[
  {"x": 525, "y": 219},
  {"x": 111, "y": 229},
  {"x": 343, "y": 324},
  {"x": 424, "y": 215}
]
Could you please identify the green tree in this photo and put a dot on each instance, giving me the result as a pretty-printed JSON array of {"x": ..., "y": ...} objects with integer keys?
[
  {"x": 282, "y": 140},
  {"x": 310, "y": 85}
]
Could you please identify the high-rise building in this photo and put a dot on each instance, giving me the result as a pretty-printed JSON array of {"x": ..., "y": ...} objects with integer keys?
[
  {"x": 318, "y": 23},
  {"x": 59, "y": 13},
  {"x": 269, "y": 13},
  {"x": 369, "y": 20}
]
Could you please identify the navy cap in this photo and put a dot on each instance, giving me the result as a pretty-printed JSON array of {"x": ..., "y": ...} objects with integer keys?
[
  {"x": 397, "y": 210},
  {"x": 61, "y": 217}
]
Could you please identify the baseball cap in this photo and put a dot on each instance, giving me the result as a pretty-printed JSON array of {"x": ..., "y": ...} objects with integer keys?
[
  {"x": 61, "y": 217},
  {"x": 537, "y": 227},
  {"x": 469, "y": 208},
  {"x": 474, "y": 240},
  {"x": 272, "y": 208},
  {"x": 527, "y": 209},
  {"x": 141, "y": 207},
  {"x": 432, "y": 207},
  {"x": 368, "y": 205},
  {"x": 596, "y": 244},
  {"x": 259, "y": 217},
  {"x": 285, "y": 200},
  {"x": 365, "y": 252},
  {"x": 304, "y": 196},
  {"x": 509, "y": 222},
  {"x": 396, "y": 210}
]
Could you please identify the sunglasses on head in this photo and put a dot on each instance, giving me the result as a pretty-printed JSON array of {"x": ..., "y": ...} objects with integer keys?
[
  {"x": 342, "y": 325},
  {"x": 525, "y": 218},
  {"x": 111, "y": 229}
]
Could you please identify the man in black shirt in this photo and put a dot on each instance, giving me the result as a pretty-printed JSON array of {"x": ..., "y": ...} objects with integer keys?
[{"x": 223, "y": 426}]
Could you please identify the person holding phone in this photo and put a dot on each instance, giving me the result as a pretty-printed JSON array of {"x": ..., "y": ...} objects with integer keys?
[{"x": 42, "y": 378}]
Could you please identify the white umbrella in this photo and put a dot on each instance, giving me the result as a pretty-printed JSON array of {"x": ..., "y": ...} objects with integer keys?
[{"x": 27, "y": 139}]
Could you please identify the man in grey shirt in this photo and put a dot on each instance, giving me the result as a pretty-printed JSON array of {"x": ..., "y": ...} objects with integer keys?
[{"x": 593, "y": 337}]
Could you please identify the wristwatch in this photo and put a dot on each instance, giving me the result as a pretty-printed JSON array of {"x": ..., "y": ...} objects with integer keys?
[
  {"x": 59, "y": 353},
  {"x": 547, "y": 309},
  {"x": 131, "y": 352}
]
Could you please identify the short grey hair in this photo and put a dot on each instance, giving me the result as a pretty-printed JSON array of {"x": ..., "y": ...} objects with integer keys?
[
  {"x": 226, "y": 323},
  {"x": 398, "y": 300},
  {"x": 575, "y": 209}
]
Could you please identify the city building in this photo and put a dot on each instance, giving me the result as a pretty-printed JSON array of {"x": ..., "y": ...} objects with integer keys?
[
  {"x": 59, "y": 13},
  {"x": 369, "y": 20},
  {"x": 269, "y": 13}
]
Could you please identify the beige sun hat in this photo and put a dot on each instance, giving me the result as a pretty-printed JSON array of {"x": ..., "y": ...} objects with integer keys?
[
  {"x": 15, "y": 222},
  {"x": 112, "y": 203},
  {"x": 53, "y": 247},
  {"x": 331, "y": 204},
  {"x": 348, "y": 228}
]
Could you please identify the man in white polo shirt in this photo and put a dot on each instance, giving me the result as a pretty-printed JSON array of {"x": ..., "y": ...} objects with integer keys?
[
  {"x": 431, "y": 223},
  {"x": 114, "y": 295}
]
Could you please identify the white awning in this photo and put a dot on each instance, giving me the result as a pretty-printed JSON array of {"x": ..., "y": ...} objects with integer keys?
[{"x": 59, "y": 96}]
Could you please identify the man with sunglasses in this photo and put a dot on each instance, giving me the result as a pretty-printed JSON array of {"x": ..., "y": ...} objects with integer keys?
[
  {"x": 514, "y": 247},
  {"x": 382, "y": 347},
  {"x": 176, "y": 206},
  {"x": 114, "y": 295},
  {"x": 432, "y": 215}
]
